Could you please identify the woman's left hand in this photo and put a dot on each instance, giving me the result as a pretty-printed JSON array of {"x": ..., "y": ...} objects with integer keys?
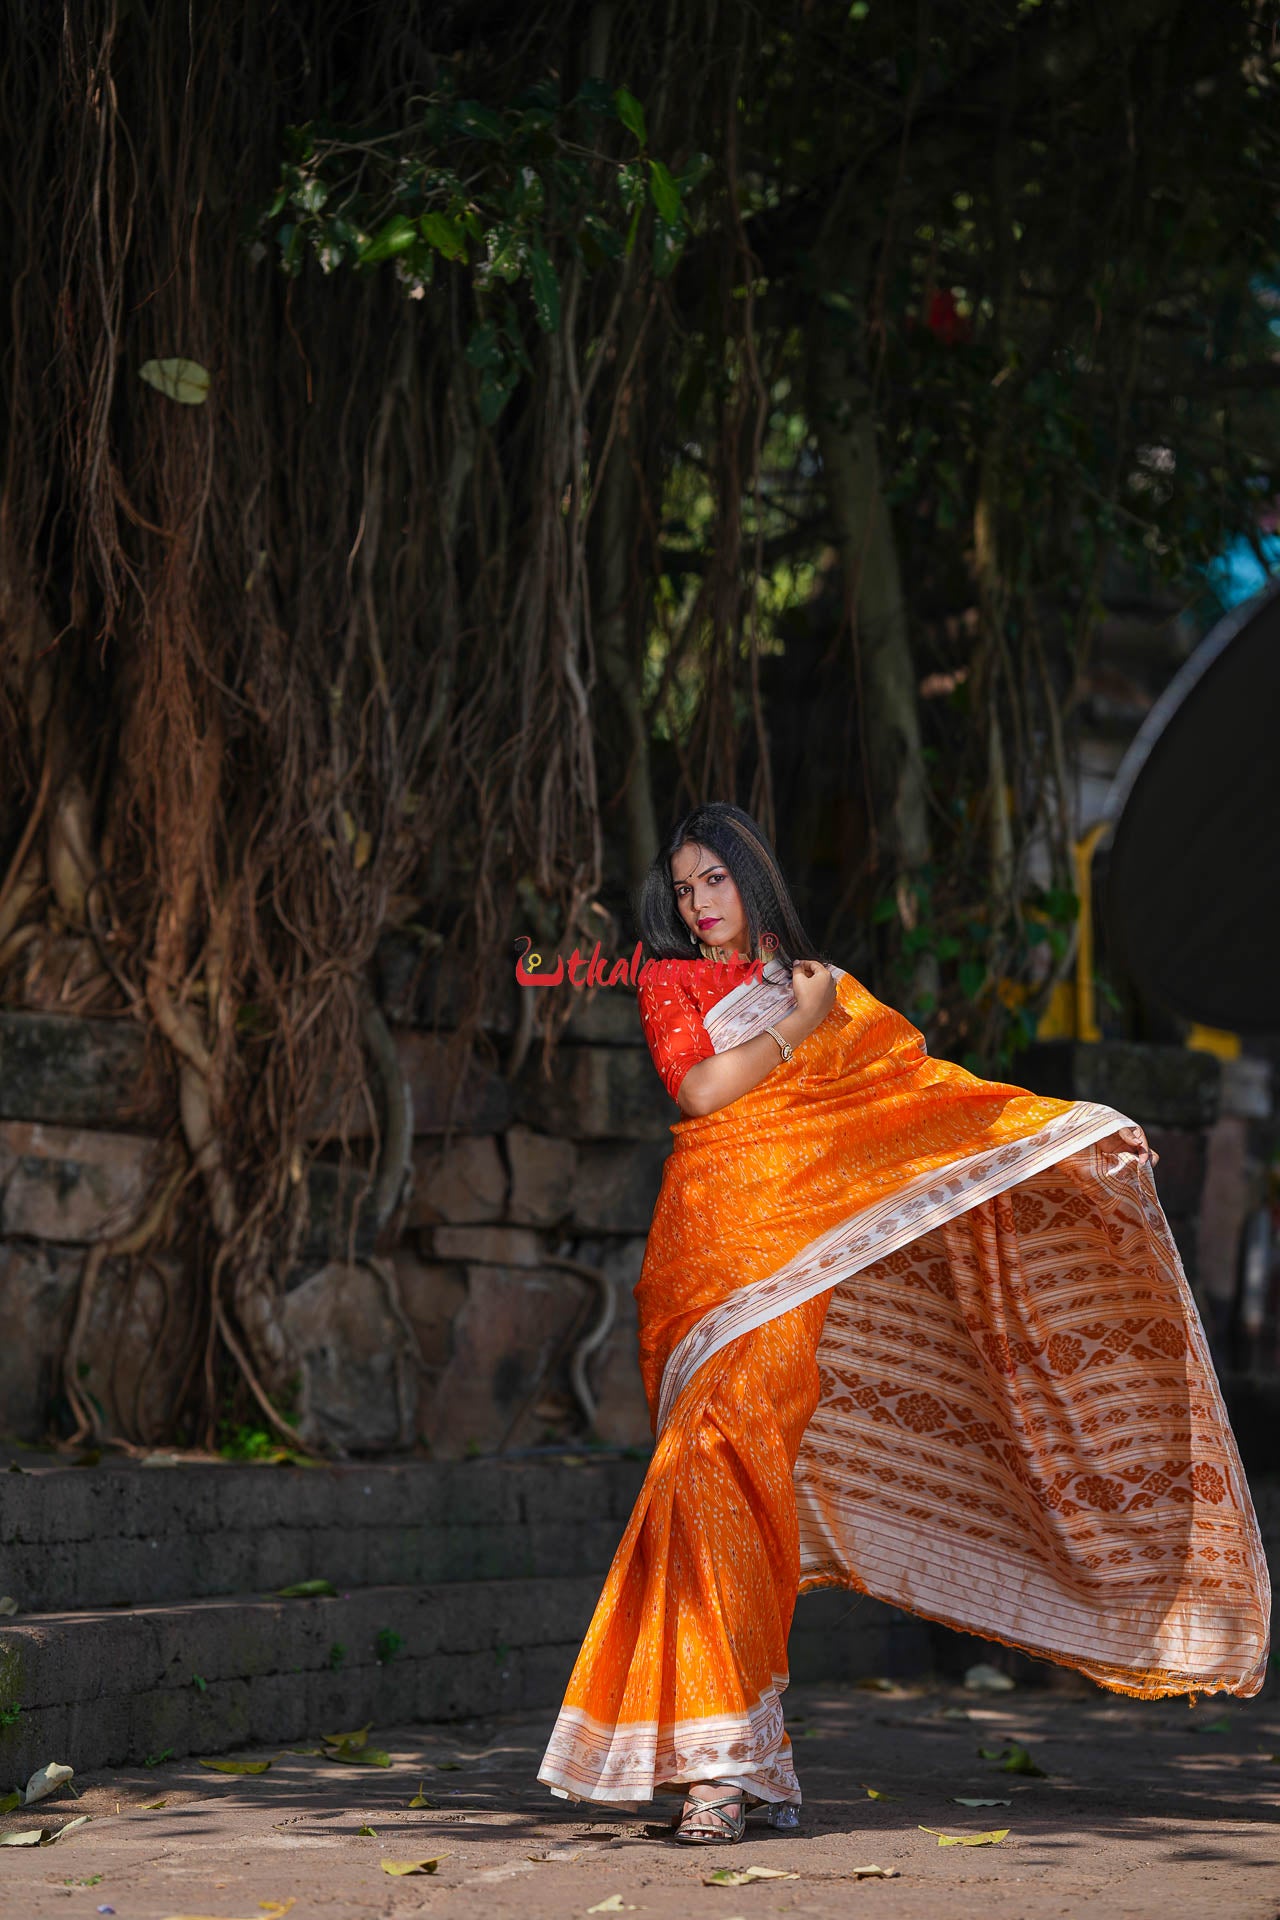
[{"x": 1135, "y": 1138}]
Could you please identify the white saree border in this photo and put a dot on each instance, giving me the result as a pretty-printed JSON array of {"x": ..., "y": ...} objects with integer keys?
[
  {"x": 624, "y": 1766},
  {"x": 925, "y": 1203}
]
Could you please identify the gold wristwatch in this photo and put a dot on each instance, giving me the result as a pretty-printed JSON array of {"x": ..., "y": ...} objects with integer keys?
[{"x": 785, "y": 1047}]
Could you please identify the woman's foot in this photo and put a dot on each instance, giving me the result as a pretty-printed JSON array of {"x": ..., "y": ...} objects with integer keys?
[{"x": 715, "y": 1814}]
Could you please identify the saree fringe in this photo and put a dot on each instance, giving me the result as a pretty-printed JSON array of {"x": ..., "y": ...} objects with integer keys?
[{"x": 927, "y": 1338}]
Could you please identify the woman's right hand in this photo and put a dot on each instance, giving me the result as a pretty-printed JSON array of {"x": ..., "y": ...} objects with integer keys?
[{"x": 815, "y": 991}]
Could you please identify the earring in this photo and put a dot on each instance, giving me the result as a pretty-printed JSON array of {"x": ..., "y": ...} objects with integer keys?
[{"x": 693, "y": 938}]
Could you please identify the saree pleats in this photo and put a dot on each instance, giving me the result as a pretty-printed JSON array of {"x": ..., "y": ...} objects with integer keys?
[
  {"x": 922, "y": 1336},
  {"x": 682, "y": 1670}
]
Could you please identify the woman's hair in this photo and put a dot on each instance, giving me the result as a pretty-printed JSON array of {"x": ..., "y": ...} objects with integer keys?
[{"x": 737, "y": 841}]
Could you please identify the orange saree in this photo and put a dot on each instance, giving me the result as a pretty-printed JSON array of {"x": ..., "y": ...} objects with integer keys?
[{"x": 923, "y": 1336}]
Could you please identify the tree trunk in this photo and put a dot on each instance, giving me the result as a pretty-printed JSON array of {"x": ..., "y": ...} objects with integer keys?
[{"x": 840, "y": 412}]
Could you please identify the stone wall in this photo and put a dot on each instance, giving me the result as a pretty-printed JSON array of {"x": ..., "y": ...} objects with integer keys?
[
  {"x": 526, "y": 1213},
  {"x": 522, "y": 1221}
]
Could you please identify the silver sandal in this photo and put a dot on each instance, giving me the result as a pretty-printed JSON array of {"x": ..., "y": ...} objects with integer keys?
[{"x": 734, "y": 1826}]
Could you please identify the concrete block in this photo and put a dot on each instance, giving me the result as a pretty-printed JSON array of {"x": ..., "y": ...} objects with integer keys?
[
  {"x": 69, "y": 1071},
  {"x": 583, "y": 1491},
  {"x": 160, "y": 1719},
  {"x": 278, "y": 1707},
  {"x": 616, "y": 1185},
  {"x": 490, "y": 1246},
  {"x": 1156, "y": 1086},
  {"x": 596, "y": 1093},
  {"x": 542, "y": 1176},
  {"x": 218, "y": 1719},
  {"x": 463, "y": 1181},
  {"x": 544, "y": 1675},
  {"x": 504, "y": 1341},
  {"x": 38, "y": 1288},
  {"x": 71, "y": 1184}
]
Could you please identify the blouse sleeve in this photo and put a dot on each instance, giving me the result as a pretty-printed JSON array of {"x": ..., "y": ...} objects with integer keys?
[{"x": 674, "y": 1030}]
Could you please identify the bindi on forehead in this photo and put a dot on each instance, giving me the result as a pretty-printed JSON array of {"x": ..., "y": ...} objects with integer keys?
[{"x": 694, "y": 871}]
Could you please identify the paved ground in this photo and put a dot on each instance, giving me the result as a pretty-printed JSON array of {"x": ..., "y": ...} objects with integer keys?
[{"x": 1146, "y": 1811}]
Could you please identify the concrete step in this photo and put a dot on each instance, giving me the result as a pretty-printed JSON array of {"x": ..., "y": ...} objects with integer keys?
[
  {"x": 120, "y": 1533},
  {"x": 107, "y": 1686}
]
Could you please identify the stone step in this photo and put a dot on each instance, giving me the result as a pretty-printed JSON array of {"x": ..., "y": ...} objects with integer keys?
[
  {"x": 122, "y": 1534},
  {"x": 109, "y": 1687}
]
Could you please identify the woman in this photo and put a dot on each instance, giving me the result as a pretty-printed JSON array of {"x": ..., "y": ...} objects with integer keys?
[{"x": 901, "y": 1330}]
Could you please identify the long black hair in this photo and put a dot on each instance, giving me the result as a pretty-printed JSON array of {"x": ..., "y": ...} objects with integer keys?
[{"x": 741, "y": 844}]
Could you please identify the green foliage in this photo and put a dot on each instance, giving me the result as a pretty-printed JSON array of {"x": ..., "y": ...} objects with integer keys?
[
  {"x": 387, "y": 1645},
  {"x": 246, "y": 1443},
  {"x": 511, "y": 197}
]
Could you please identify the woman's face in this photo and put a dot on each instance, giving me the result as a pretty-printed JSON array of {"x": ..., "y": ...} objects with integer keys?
[{"x": 707, "y": 899}]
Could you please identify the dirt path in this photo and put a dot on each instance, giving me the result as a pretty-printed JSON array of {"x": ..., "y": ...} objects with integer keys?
[{"x": 1150, "y": 1811}]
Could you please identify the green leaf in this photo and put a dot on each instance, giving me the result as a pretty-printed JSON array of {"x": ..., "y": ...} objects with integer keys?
[
  {"x": 308, "y": 1590},
  {"x": 593, "y": 96},
  {"x": 396, "y": 235},
  {"x": 183, "y": 380},
  {"x": 599, "y": 241},
  {"x": 481, "y": 122},
  {"x": 665, "y": 194},
  {"x": 972, "y": 976},
  {"x": 444, "y": 234},
  {"x": 631, "y": 114},
  {"x": 310, "y": 194},
  {"x": 694, "y": 172},
  {"x": 484, "y": 349},
  {"x": 631, "y": 185},
  {"x": 506, "y": 246},
  {"x": 496, "y": 387},
  {"x": 668, "y": 245},
  {"x": 546, "y": 289},
  {"x": 237, "y": 1766}
]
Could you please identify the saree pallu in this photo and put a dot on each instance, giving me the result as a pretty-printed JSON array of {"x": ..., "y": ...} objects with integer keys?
[{"x": 922, "y": 1336}]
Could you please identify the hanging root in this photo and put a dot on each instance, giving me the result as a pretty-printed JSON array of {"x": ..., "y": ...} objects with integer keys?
[{"x": 140, "y": 1236}]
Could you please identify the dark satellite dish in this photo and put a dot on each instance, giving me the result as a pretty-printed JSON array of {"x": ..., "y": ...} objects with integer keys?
[{"x": 1192, "y": 898}]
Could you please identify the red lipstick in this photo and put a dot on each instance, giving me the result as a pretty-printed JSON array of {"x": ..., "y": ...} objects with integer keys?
[{"x": 714, "y": 921}]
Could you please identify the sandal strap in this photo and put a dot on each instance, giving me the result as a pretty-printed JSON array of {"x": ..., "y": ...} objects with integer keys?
[{"x": 693, "y": 1808}]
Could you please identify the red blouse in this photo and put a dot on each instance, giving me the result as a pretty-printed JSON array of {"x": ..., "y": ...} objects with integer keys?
[{"x": 673, "y": 1001}]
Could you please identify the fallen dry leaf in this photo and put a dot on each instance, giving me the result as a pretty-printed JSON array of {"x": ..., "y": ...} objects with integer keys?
[
  {"x": 957, "y": 1801},
  {"x": 10, "y": 1801},
  {"x": 1012, "y": 1758},
  {"x": 236, "y": 1766},
  {"x": 366, "y": 1833},
  {"x": 402, "y": 1867},
  {"x": 46, "y": 1780},
  {"x": 992, "y": 1839},
  {"x": 875, "y": 1683},
  {"x": 308, "y": 1590},
  {"x": 359, "y": 1756},
  {"x": 8, "y": 1606},
  {"x": 743, "y": 1876},
  {"x": 420, "y": 1799},
  {"x": 356, "y": 1738},
  {"x": 988, "y": 1679},
  {"x": 613, "y": 1904},
  {"x": 267, "y": 1910},
  {"x": 42, "y": 1836},
  {"x": 872, "y": 1873},
  {"x": 874, "y": 1793},
  {"x": 152, "y": 1805}
]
